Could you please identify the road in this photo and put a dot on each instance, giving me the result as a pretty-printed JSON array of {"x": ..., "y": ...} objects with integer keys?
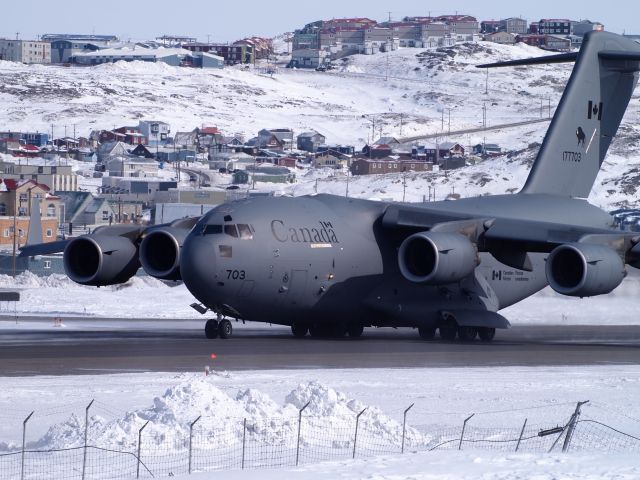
[
  {"x": 474, "y": 130},
  {"x": 146, "y": 346}
]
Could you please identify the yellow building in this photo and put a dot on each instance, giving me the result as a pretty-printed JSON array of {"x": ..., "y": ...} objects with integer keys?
[{"x": 16, "y": 200}]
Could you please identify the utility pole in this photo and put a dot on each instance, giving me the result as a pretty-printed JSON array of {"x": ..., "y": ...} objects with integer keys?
[
  {"x": 449, "y": 121},
  {"x": 484, "y": 126},
  {"x": 442, "y": 122},
  {"x": 540, "y": 108},
  {"x": 486, "y": 83}
]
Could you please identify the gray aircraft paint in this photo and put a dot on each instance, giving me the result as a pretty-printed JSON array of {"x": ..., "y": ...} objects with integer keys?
[{"x": 325, "y": 258}]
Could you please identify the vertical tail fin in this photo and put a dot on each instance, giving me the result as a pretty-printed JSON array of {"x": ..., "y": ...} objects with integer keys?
[{"x": 588, "y": 115}]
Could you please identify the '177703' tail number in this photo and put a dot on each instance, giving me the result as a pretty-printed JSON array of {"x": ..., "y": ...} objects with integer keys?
[{"x": 571, "y": 156}]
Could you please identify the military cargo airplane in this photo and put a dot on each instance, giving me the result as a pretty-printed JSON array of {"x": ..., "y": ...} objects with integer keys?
[{"x": 330, "y": 266}]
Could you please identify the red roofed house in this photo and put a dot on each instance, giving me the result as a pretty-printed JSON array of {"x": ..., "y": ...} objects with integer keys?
[
  {"x": 16, "y": 197},
  {"x": 377, "y": 151}
]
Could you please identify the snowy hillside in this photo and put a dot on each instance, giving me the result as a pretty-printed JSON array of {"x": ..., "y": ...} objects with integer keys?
[{"x": 406, "y": 93}]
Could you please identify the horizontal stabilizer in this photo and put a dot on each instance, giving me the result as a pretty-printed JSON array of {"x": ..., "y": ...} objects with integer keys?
[
  {"x": 620, "y": 55},
  {"x": 560, "y": 58}
]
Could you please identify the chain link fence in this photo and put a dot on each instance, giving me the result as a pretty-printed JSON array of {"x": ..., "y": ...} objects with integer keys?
[{"x": 212, "y": 443}]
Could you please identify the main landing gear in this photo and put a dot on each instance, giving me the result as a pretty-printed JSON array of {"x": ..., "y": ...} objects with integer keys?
[
  {"x": 218, "y": 328},
  {"x": 449, "y": 331}
]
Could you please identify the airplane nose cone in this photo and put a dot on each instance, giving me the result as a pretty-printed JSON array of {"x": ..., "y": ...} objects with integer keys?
[{"x": 197, "y": 266}]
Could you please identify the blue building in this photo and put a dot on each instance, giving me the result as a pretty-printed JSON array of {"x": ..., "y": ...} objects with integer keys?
[{"x": 27, "y": 138}]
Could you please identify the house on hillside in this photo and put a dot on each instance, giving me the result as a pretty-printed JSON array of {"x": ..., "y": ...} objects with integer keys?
[
  {"x": 387, "y": 141},
  {"x": 16, "y": 202},
  {"x": 112, "y": 149},
  {"x": 366, "y": 166},
  {"x": 284, "y": 136},
  {"x": 131, "y": 135},
  {"x": 349, "y": 150},
  {"x": 503, "y": 38},
  {"x": 330, "y": 161},
  {"x": 310, "y": 141},
  {"x": 157, "y": 132},
  {"x": 450, "y": 149},
  {"x": 130, "y": 166},
  {"x": 83, "y": 208},
  {"x": 142, "y": 151},
  {"x": 188, "y": 140},
  {"x": 377, "y": 151},
  {"x": 490, "y": 149}
]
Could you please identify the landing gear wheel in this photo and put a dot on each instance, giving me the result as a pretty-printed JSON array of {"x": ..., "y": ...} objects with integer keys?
[
  {"x": 225, "y": 329},
  {"x": 211, "y": 329},
  {"x": 299, "y": 330},
  {"x": 427, "y": 333},
  {"x": 355, "y": 329},
  {"x": 486, "y": 334},
  {"x": 467, "y": 334},
  {"x": 448, "y": 332}
]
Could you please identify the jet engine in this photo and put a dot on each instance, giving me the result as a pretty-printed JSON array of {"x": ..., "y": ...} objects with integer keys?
[
  {"x": 584, "y": 270},
  {"x": 100, "y": 260},
  {"x": 437, "y": 258},
  {"x": 160, "y": 252}
]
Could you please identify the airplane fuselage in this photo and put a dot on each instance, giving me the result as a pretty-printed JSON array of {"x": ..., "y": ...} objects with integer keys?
[{"x": 328, "y": 258}]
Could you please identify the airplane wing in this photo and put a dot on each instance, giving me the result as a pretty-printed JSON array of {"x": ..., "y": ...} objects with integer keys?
[{"x": 508, "y": 239}]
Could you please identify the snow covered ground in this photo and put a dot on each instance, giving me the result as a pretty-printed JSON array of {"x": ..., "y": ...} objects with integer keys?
[
  {"x": 404, "y": 93},
  {"x": 501, "y": 399}
]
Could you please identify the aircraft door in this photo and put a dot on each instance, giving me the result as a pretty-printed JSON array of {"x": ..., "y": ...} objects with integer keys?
[{"x": 297, "y": 286}]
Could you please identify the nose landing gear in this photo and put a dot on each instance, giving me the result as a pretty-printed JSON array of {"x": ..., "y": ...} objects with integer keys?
[{"x": 218, "y": 328}]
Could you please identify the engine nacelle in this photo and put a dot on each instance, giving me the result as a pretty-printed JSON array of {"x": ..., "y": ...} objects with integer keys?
[
  {"x": 584, "y": 270},
  {"x": 100, "y": 260},
  {"x": 437, "y": 258},
  {"x": 160, "y": 252}
]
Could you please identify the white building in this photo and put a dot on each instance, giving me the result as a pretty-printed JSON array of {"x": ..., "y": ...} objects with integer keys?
[
  {"x": 170, "y": 56},
  {"x": 132, "y": 167},
  {"x": 25, "y": 51},
  {"x": 156, "y": 132}
]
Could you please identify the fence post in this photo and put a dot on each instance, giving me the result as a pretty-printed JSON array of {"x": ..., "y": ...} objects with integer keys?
[
  {"x": 299, "y": 425},
  {"x": 404, "y": 425},
  {"x": 140, "y": 448},
  {"x": 521, "y": 433},
  {"x": 572, "y": 426},
  {"x": 464, "y": 425},
  {"x": 191, "y": 439},
  {"x": 244, "y": 438},
  {"x": 86, "y": 433},
  {"x": 24, "y": 436},
  {"x": 355, "y": 438}
]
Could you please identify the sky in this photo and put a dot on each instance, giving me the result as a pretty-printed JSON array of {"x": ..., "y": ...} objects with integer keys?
[{"x": 223, "y": 21}]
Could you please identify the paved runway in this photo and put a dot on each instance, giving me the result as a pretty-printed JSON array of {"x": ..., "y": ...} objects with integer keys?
[{"x": 145, "y": 346}]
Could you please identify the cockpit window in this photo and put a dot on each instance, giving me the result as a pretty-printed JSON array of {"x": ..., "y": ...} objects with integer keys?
[
  {"x": 231, "y": 230},
  {"x": 242, "y": 230},
  {"x": 245, "y": 231},
  {"x": 212, "y": 229}
]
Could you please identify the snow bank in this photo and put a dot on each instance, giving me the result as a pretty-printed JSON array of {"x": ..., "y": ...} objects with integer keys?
[{"x": 171, "y": 414}]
